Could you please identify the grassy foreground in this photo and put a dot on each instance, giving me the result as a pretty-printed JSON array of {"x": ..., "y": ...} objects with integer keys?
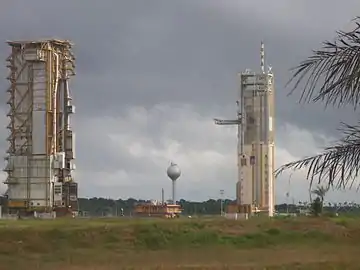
[{"x": 303, "y": 243}]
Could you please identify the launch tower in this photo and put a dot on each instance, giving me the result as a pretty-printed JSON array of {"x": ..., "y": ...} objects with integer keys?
[
  {"x": 256, "y": 145},
  {"x": 41, "y": 142}
]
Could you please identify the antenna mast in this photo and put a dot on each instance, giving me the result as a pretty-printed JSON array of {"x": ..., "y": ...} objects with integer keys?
[{"x": 262, "y": 57}]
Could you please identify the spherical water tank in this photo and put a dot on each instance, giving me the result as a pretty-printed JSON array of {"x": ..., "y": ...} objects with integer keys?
[{"x": 173, "y": 171}]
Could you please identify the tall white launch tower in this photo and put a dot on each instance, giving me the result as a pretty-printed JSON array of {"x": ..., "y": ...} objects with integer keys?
[
  {"x": 41, "y": 142},
  {"x": 256, "y": 144}
]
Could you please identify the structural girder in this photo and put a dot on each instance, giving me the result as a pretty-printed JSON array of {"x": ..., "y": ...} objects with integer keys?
[{"x": 227, "y": 122}]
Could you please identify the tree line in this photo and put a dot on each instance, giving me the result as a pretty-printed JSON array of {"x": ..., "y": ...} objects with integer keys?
[
  {"x": 105, "y": 207},
  {"x": 109, "y": 207}
]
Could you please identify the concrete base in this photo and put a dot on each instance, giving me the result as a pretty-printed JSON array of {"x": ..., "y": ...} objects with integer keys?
[
  {"x": 243, "y": 209},
  {"x": 237, "y": 216}
]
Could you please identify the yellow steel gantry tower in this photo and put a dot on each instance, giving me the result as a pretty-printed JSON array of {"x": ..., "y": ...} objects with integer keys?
[{"x": 40, "y": 157}]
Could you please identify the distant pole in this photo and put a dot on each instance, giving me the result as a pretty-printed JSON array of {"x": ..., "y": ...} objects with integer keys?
[
  {"x": 162, "y": 196},
  {"x": 221, "y": 202},
  {"x": 288, "y": 194}
]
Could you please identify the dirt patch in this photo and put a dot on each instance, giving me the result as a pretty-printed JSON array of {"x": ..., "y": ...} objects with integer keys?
[{"x": 228, "y": 259}]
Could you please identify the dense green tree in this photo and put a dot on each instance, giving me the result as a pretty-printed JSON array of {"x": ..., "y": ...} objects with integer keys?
[
  {"x": 320, "y": 192},
  {"x": 316, "y": 207}
]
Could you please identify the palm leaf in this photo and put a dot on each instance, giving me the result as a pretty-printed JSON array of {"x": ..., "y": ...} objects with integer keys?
[
  {"x": 320, "y": 191},
  {"x": 338, "y": 165},
  {"x": 317, "y": 193},
  {"x": 334, "y": 70}
]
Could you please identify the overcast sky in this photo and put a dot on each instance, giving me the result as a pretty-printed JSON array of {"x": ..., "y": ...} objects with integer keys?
[{"x": 152, "y": 74}]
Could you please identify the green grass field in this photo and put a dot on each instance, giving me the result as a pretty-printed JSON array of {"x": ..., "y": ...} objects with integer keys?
[{"x": 302, "y": 243}]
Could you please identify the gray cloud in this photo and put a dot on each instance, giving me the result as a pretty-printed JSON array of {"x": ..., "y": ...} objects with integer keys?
[{"x": 152, "y": 74}]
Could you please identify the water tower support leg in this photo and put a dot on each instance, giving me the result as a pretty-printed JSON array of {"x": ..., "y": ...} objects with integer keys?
[{"x": 173, "y": 192}]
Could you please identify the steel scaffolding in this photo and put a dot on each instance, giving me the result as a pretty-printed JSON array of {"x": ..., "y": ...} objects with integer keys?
[{"x": 41, "y": 145}]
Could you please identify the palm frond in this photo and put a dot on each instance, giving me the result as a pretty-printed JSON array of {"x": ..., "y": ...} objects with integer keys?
[
  {"x": 338, "y": 166},
  {"x": 335, "y": 68},
  {"x": 317, "y": 193},
  {"x": 321, "y": 191}
]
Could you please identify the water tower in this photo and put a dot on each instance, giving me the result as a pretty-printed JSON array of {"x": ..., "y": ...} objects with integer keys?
[{"x": 173, "y": 173}]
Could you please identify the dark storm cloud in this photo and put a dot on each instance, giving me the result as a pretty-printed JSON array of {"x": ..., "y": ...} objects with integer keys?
[{"x": 147, "y": 52}]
